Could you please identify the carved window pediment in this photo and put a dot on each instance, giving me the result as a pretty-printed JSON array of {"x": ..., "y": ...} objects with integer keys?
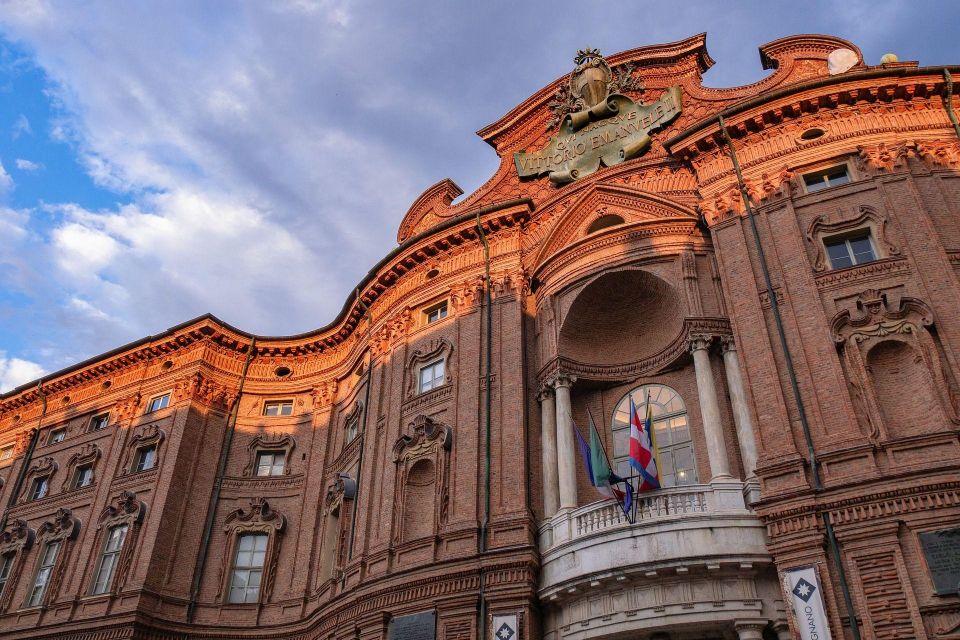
[
  {"x": 903, "y": 332},
  {"x": 125, "y": 509},
  {"x": 258, "y": 518},
  {"x": 423, "y": 463},
  {"x": 143, "y": 437},
  {"x": 284, "y": 443},
  {"x": 16, "y": 541},
  {"x": 89, "y": 454},
  {"x": 865, "y": 218},
  {"x": 437, "y": 349},
  {"x": 43, "y": 468}
]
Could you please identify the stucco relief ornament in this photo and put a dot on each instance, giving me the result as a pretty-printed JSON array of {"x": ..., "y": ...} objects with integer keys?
[{"x": 598, "y": 125}]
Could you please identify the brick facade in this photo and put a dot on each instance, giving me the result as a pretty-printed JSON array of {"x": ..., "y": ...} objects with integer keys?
[{"x": 385, "y": 506}]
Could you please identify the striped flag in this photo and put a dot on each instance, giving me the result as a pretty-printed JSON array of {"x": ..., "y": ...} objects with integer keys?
[
  {"x": 642, "y": 449},
  {"x": 598, "y": 470}
]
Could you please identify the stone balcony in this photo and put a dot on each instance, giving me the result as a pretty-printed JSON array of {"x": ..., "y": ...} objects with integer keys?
[{"x": 695, "y": 559}]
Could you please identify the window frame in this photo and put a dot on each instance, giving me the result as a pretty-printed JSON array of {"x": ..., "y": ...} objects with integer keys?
[
  {"x": 143, "y": 450},
  {"x": 52, "y": 437},
  {"x": 7, "y": 560},
  {"x": 163, "y": 400},
  {"x": 279, "y": 455},
  {"x": 77, "y": 473},
  {"x": 113, "y": 555},
  {"x": 35, "y": 597},
  {"x": 684, "y": 411},
  {"x": 35, "y": 485},
  {"x": 432, "y": 365},
  {"x": 12, "y": 448},
  {"x": 845, "y": 239},
  {"x": 822, "y": 172},
  {"x": 267, "y": 404},
  {"x": 235, "y": 566},
  {"x": 441, "y": 308},
  {"x": 92, "y": 424}
]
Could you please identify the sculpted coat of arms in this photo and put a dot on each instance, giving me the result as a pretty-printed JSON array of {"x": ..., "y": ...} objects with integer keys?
[{"x": 598, "y": 124}]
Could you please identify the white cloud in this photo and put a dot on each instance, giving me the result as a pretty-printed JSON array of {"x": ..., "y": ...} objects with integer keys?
[
  {"x": 28, "y": 165},
  {"x": 16, "y": 371},
  {"x": 6, "y": 182},
  {"x": 21, "y": 126}
]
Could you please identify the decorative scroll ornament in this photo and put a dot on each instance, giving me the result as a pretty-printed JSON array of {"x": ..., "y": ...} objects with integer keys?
[
  {"x": 63, "y": 526},
  {"x": 599, "y": 124},
  {"x": 125, "y": 508},
  {"x": 259, "y": 515},
  {"x": 205, "y": 390}
]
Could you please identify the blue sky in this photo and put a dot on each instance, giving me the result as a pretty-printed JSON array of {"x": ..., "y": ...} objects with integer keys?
[{"x": 161, "y": 160}]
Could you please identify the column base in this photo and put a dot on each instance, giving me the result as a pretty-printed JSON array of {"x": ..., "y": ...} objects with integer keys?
[{"x": 751, "y": 490}]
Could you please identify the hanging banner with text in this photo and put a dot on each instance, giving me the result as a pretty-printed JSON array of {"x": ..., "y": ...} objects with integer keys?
[{"x": 810, "y": 617}]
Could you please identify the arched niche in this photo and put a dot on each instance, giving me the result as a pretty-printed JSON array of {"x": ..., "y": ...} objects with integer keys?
[{"x": 621, "y": 317}]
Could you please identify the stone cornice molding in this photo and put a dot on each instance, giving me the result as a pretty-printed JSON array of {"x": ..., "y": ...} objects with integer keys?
[{"x": 673, "y": 353}]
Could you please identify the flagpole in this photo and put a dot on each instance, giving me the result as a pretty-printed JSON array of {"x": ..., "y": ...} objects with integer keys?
[{"x": 607, "y": 458}]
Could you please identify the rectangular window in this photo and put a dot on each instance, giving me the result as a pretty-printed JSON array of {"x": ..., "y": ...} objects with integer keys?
[
  {"x": 352, "y": 428},
  {"x": 6, "y": 453},
  {"x": 108, "y": 561},
  {"x": 160, "y": 402},
  {"x": 824, "y": 178},
  {"x": 436, "y": 312},
  {"x": 431, "y": 376},
  {"x": 40, "y": 488},
  {"x": 47, "y": 560},
  {"x": 248, "y": 567},
  {"x": 270, "y": 463},
  {"x": 57, "y": 435},
  {"x": 99, "y": 421},
  {"x": 146, "y": 458},
  {"x": 83, "y": 476},
  {"x": 278, "y": 408},
  {"x": 6, "y": 563},
  {"x": 850, "y": 250}
]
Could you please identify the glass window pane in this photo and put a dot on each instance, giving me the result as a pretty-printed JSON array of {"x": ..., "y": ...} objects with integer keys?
[
  {"x": 862, "y": 249},
  {"x": 838, "y": 176},
  {"x": 839, "y": 256},
  {"x": 621, "y": 442}
]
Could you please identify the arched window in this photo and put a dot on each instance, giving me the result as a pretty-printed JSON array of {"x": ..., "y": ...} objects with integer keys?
[{"x": 671, "y": 431}]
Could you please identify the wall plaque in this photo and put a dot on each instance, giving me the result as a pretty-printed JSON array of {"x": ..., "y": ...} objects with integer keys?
[
  {"x": 942, "y": 552},
  {"x": 601, "y": 126},
  {"x": 416, "y": 626}
]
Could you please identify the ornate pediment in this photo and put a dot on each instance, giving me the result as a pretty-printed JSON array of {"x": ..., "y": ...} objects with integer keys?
[
  {"x": 875, "y": 317},
  {"x": 633, "y": 205},
  {"x": 426, "y": 435},
  {"x": 259, "y": 515}
]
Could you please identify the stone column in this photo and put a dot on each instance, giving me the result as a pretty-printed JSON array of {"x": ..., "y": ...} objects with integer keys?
[
  {"x": 741, "y": 414},
  {"x": 548, "y": 446},
  {"x": 566, "y": 443},
  {"x": 699, "y": 345}
]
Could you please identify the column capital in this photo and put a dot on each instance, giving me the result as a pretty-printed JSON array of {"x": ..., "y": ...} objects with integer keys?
[
  {"x": 699, "y": 342},
  {"x": 750, "y": 629},
  {"x": 563, "y": 380},
  {"x": 727, "y": 343},
  {"x": 545, "y": 390}
]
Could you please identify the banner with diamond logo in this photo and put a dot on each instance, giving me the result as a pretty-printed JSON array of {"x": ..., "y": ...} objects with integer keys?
[
  {"x": 809, "y": 614},
  {"x": 505, "y": 628}
]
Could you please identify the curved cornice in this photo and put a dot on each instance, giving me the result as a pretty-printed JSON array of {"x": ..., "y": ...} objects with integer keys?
[
  {"x": 383, "y": 276},
  {"x": 825, "y": 92}
]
